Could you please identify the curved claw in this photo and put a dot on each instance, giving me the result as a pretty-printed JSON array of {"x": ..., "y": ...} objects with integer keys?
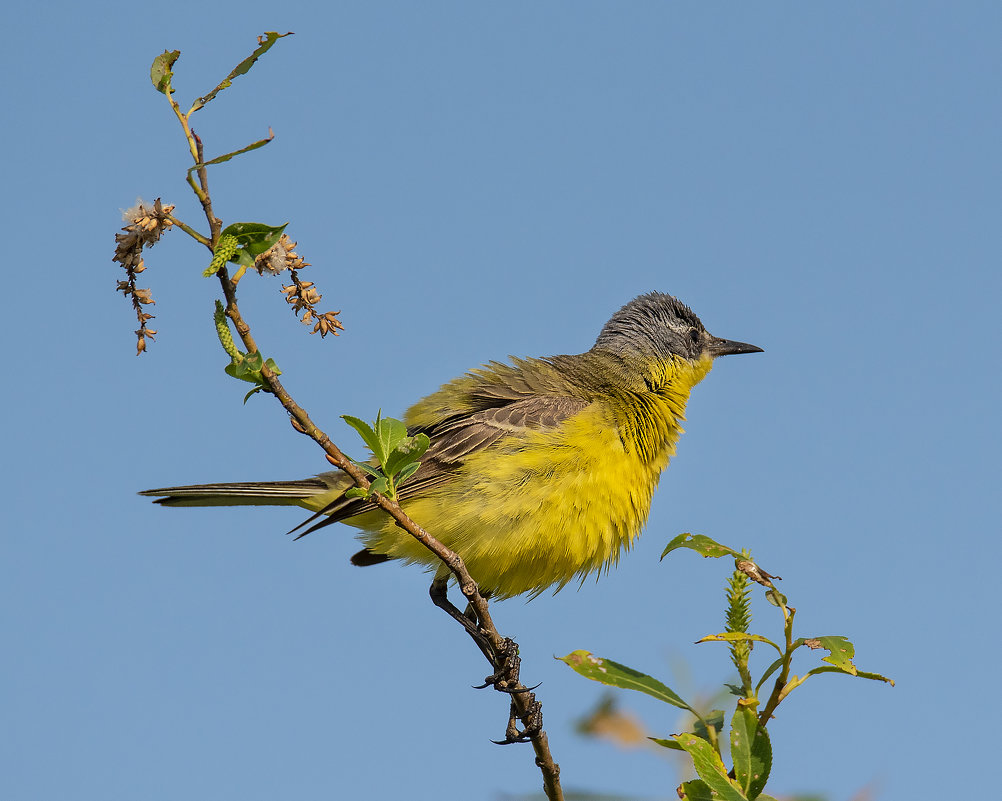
[
  {"x": 516, "y": 691},
  {"x": 522, "y": 738}
]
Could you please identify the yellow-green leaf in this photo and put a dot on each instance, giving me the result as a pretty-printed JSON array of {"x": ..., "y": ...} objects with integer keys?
[{"x": 616, "y": 675}]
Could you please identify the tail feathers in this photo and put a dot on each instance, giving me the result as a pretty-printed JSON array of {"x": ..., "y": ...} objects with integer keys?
[{"x": 251, "y": 493}]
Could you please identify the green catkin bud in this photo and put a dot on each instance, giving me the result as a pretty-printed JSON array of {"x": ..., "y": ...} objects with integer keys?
[
  {"x": 738, "y": 619},
  {"x": 224, "y": 334},
  {"x": 227, "y": 247}
]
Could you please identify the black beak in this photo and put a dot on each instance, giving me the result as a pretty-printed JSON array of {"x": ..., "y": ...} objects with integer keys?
[{"x": 725, "y": 347}]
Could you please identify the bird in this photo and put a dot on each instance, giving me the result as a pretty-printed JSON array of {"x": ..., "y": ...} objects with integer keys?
[{"x": 541, "y": 471}]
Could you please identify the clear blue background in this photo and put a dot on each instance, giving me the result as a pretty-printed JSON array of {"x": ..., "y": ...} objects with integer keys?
[{"x": 469, "y": 181}]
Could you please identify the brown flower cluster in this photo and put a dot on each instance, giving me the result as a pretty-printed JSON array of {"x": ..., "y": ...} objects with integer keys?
[
  {"x": 280, "y": 256},
  {"x": 146, "y": 225},
  {"x": 303, "y": 296}
]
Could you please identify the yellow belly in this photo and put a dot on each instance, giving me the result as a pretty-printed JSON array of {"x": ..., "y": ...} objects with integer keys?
[{"x": 540, "y": 510}]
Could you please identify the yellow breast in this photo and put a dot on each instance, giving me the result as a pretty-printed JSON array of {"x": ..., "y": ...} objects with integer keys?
[{"x": 553, "y": 505}]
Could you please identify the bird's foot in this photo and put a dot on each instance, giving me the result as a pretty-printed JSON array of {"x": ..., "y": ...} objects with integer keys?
[
  {"x": 524, "y": 708},
  {"x": 531, "y": 719},
  {"x": 506, "y": 669}
]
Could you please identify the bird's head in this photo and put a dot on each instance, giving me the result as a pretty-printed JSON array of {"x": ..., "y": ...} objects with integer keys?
[{"x": 659, "y": 326}]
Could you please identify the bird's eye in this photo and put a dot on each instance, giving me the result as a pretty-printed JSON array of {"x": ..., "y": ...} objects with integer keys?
[{"x": 694, "y": 336}]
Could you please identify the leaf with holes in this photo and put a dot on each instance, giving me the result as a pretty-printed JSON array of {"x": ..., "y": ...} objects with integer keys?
[
  {"x": 751, "y": 751},
  {"x": 702, "y": 545},
  {"x": 616, "y": 675}
]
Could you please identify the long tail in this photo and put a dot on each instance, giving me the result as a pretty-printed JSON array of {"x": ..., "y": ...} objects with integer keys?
[
  {"x": 308, "y": 493},
  {"x": 320, "y": 495}
]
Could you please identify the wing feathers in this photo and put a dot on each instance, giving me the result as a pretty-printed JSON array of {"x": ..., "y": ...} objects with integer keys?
[{"x": 455, "y": 440}]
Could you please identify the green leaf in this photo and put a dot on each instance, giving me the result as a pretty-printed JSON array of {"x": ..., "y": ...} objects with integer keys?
[
  {"x": 238, "y": 369},
  {"x": 738, "y": 636},
  {"x": 616, "y": 675},
  {"x": 247, "y": 367},
  {"x": 243, "y": 258},
  {"x": 387, "y": 439},
  {"x": 253, "y": 362},
  {"x": 674, "y": 746},
  {"x": 406, "y": 472},
  {"x": 695, "y": 790},
  {"x": 365, "y": 432},
  {"x": 356, "y": 492},
  {"x": 380, "y": 485},
  {"x": 363, "y": 428},
  {"x": 270, "y": 364},
  {"x": 264, "y": 44},
  {"x": 254, "y": 238},
  {"x": 768, "y": 672},
  {"x": 372, "y": 470},
  {"x": 840, "y": 651},
  {"x": 715, "y": 719},
  {"x": 228, "y": 156},
  {"x": 160, "y": 71},
  {"x": 710, "y": 768},
  {"x": 407, "y": 451},
  {"x": 252, "y": 392},
  {"x": 751, "y": 751},
  {"x": 775, "y": 597},
  {"x": 862, "y": 674},
  {"x": 702, "y": 545},
  {"x": 391, "y": 433}
]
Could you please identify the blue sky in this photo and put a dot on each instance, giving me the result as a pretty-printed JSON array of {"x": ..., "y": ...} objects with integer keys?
[{"x": 472, "y": 181}]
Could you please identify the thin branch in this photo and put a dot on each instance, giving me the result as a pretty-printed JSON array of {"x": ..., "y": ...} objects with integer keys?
[
  {"x": 215, "y": 224},
  {"x": 203, "y": 240}
]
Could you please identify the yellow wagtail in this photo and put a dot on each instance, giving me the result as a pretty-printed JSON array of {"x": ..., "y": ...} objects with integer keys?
[{"x": 539, "y": 471}]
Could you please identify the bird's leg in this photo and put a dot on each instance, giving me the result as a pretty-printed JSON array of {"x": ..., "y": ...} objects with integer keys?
[
  {"x": 471, "y": 613},
  {"x": 506, "y": 664},
  {"x": 440, "y": 597}
]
